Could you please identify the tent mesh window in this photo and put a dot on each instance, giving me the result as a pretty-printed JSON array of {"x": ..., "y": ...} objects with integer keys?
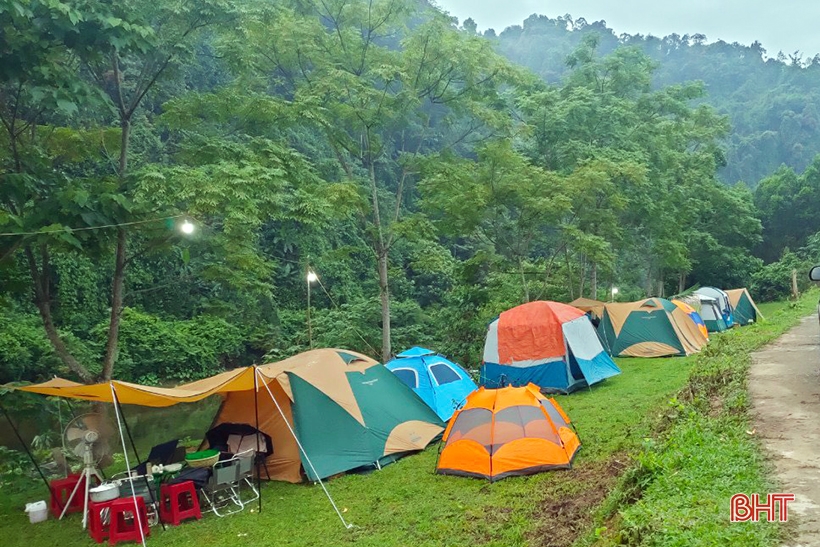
[
  {"x": 554, "y": 415},
  {"x": 407, "y": 375},
  {"x": 518, "y": 422},
  {"x": 444, "y": 374},
  {"x": 474, "y": 424}
]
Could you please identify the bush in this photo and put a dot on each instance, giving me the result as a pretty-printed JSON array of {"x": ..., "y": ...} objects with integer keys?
[
  {"x": 774, "y": 281},
  {"x": 153, "y": 349},
  {"x": 26, "y": 355}
]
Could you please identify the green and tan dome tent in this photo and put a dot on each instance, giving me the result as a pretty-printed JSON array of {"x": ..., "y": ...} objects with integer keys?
[
  {"x": 654, "y": 327},
  {"x": 347, "y": 410},
  {"x": 744, "y": 308}
]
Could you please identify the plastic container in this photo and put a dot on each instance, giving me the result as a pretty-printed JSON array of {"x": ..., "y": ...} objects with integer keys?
[{"x": 37, "y": 511}]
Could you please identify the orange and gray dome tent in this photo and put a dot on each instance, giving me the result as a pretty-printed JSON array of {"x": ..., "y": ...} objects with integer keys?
[
  {"x": 654, "y": 327},
  {"x": 744, "y": 308},
  {"x": 549, "y": 344},
  {"x": 345, "y": 409},
  {"x": 506, "y": 432}
]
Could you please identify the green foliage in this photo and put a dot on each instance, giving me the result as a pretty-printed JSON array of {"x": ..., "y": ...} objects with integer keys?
[
  {"x": 774, "y": 281},
  {"x": 25, "y": 352},
  {"x": 154, "y": 351}
]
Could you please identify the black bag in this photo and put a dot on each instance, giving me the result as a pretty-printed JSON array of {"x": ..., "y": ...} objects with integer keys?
[{"x": 198, "y": 475}]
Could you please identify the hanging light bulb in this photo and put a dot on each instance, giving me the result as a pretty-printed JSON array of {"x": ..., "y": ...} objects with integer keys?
[
  {"x": 312, "y": 277},
  {"x": 187, "y": 227}
]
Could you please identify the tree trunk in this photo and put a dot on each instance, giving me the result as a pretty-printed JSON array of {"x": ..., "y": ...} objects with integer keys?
[
  {"x": 569, "y": 276},
  {"x": 40, "y": 279},
  {"x": 118, "y": 282},
  {"x": 524, "y": 283},
  {"x": 681, "y": 282},
  {"x": 111, "y": 349},
  {"x": 381, "y": 254},
  {"x": 125, "y": 139},
  {"x": 583, "y": 281},
  {"x": 384, "y": 294},
  {"x": 594, "y": 282}
]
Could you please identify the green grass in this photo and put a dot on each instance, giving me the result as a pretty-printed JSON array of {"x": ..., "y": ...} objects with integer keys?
[
  {"x": 684, "y": 479},
  {"x": 406, "y": 503}
]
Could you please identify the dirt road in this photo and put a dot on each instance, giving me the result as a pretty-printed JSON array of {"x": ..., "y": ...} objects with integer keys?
[{"x": 785, "y": 388}]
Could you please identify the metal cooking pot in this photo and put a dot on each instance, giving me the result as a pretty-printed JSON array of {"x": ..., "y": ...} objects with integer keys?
[{"x": 107, "y": 491}]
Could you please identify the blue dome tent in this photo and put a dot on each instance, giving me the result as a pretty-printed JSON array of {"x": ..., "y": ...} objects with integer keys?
[{"x": 440, "y": 383}]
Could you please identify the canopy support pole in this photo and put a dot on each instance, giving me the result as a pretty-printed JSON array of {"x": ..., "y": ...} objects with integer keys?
[
  {"x": 30, "y": 455},
  {"x": 137, "y": 515},
  {"x": 256, "y": 456},
  {"x": 136, "y": 455},
  {"x": 302, "y": 449}
]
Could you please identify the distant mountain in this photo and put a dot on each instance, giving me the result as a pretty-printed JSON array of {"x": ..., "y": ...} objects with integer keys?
[{"x": 773, "y": 103}]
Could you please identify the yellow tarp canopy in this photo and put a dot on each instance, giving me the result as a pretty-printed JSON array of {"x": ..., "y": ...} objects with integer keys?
[
  {"x": 312, "y": 366},
  {"x": 136, "y": 394}
]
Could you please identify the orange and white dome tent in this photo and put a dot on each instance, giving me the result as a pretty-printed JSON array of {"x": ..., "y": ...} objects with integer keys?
[{"x": 507, "y": 432}]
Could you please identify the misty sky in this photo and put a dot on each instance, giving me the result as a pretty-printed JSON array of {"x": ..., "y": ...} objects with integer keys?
[{"x": 786, "y": 25}]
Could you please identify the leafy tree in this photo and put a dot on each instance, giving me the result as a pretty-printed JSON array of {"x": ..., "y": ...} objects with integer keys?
[
  {"x": 126, "y": 51},
  {"x": 788, "y": 205},
  {"x": 381, "y": 94}
]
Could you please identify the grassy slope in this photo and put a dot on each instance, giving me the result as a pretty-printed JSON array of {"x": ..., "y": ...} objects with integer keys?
[
  {"x": 405, "y": 503},
  {"x": 685, "y": 478}
]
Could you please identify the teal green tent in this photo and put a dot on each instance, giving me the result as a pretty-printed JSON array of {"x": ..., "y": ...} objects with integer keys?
[
  {"x": 654, "y": 327},
  {"x": 745, "y": 309}
]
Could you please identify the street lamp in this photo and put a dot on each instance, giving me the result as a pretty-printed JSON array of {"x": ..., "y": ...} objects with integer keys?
[{"x": 311, "y": 278}]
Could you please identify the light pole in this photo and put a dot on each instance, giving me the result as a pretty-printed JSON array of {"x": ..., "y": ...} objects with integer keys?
[
  {"x": 613, "y": 293},
  {"x": 311, "y": 278}
]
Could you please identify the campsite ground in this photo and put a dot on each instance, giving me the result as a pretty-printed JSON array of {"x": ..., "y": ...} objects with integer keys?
[{"x": 623, "y": 424}]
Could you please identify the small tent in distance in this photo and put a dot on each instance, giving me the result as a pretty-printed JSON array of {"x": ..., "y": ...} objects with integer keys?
[
  {"x": 694, "y": 316},
  {"x": 442, "y": 384},
  {"x": 709, "y": 311},
  {"x": 744, "y": 308},
  {"x": 549, "y": 344},
  {"x": 506, "y": 432},
  {"x": 654, "y": 327},
  {"x": 724, "y": 305},
  {"x": 595, "y": 308}
]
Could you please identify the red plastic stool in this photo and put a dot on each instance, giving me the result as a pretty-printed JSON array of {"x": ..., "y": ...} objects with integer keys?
[
  {"x": 122, "y": 530},
  {"x": 178, "y": 502},
  {"x": 98, "y": 524},
  {"x": 61, "y": 490}
]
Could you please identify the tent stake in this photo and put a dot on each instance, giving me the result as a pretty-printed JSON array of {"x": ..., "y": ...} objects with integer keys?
[
  {"x": 30, "y": 455},
  {"x": 256, "y": 456},
  {"x": 137, "y": 515},
  {"x": 304, "y": 453}
]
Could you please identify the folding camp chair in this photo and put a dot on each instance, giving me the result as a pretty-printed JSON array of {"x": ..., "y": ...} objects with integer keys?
[
  {"x": 222, "y": 493},
  {"x": 245, "y": 475}
]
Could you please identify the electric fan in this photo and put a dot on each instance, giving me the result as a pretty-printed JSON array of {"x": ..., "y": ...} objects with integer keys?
[{"x": 86, "y": 439}]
